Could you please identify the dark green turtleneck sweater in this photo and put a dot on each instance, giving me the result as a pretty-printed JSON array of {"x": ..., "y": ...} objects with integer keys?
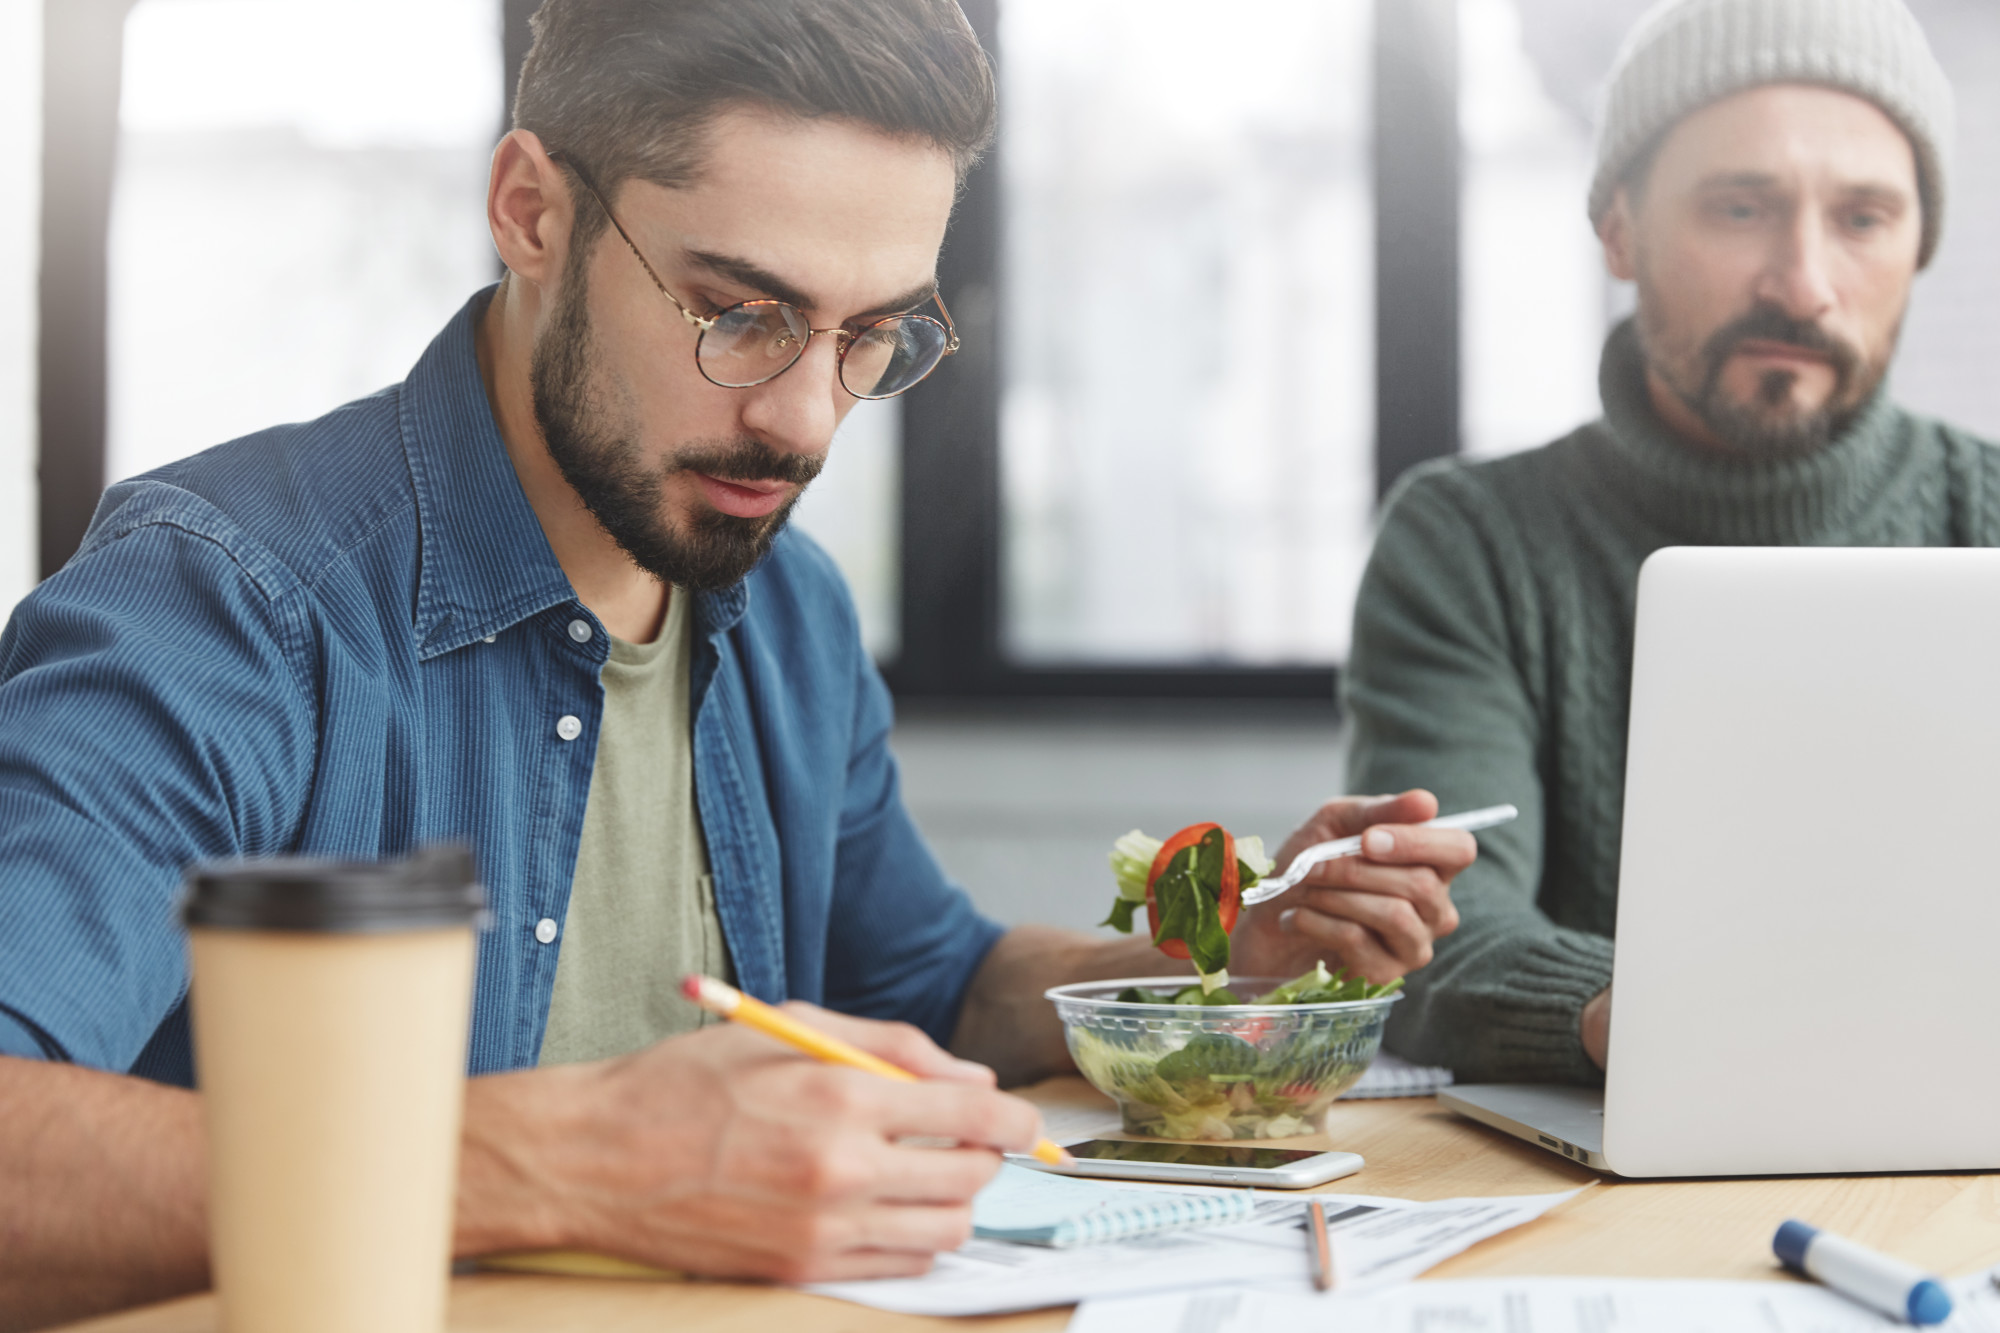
[{"x": 1492, "y": 662}]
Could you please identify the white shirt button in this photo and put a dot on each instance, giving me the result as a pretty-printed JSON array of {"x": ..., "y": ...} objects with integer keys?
[
  {"x": 580, "y": 630},
  {"x": 545, "y": 930},
  {"x": 569, "y": 726},
  {"x": 489, "y": 638}
]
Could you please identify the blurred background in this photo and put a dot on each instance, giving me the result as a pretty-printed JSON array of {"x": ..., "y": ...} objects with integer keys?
[{"x": 1228, "y": 272}]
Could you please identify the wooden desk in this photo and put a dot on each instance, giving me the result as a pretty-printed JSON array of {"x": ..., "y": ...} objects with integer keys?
[{"x": 1704, "y": 1228}]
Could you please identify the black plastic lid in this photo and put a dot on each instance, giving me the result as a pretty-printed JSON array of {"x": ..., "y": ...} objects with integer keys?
[{"x": 436, "y": 887}]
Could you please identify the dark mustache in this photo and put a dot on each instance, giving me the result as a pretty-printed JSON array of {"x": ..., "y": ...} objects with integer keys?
[
  {"x": 749, "y": 460},
  {"x": 1768, "y": 323}
]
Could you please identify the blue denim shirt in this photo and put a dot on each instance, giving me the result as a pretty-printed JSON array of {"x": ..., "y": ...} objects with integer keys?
[{"x": 350, "y": 637}]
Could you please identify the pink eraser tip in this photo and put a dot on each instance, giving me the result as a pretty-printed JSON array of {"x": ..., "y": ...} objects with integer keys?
[{"x": 691, "y": 986}]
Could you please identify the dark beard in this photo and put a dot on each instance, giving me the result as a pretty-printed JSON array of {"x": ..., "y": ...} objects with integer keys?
[
  {"x": 622, "y": 491},
  {"x": 1766, "y": 427}
]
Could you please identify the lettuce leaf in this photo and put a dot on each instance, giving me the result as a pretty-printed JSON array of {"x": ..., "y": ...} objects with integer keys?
[
  {"x": 1131, "y": 861},
  {"x": 1189, "y": 897},
  {"x": 1322, "y": 987},
  {"x": 1252, "y": 862}
]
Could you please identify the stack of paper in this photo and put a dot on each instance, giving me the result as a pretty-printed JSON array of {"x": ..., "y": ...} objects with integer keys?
[
  {"x": 1393, "y": 1076},
  {"x": 1531, "y": 1305},
  {"x": 1379, "y": 1242},
  {"x": 1032, "y": 1208}
]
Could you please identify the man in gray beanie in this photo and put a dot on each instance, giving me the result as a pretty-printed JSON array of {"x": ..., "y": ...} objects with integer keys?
[{"x": 1771, "y": 174}]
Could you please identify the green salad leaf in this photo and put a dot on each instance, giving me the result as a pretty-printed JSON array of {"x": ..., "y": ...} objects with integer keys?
[
  {"x": 1131, "y": 861},
  {"x": 1214, "y": 1056},
  {"x": 1187, "y": 896}
]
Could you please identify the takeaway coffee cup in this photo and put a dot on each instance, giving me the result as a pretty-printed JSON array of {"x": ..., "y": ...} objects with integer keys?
[{"x": 331, "y": 1002}]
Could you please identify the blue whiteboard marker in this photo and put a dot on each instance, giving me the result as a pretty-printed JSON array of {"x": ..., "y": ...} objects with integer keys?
[{"x": 1897, "y": 1289}]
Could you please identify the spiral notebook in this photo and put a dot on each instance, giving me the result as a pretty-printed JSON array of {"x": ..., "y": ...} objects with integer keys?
[
  {"x": 1393, "y": 1076},
  {"x": 1037, "y": 1208}
]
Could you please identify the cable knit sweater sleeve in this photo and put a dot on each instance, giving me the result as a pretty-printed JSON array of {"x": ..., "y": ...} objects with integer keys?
[{"x": 1439, "y": 696}]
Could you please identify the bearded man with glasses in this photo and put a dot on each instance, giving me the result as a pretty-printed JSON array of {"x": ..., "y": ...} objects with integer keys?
[{"x": 540, "y": 598}]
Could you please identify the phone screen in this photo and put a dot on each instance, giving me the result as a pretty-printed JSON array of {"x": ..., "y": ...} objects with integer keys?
[{"x": 1191, "y": 1154}]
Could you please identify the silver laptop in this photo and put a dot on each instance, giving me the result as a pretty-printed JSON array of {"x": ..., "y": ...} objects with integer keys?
[{"x": 1807, "y": 975}]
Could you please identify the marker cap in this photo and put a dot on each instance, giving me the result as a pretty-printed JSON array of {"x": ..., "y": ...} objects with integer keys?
[
  {"x": 1790, "y": 1244},
  {"x": 1930, "y": 1303}
]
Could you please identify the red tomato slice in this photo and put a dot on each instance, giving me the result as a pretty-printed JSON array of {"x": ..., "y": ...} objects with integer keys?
[{"x": 1232, "y": 896}]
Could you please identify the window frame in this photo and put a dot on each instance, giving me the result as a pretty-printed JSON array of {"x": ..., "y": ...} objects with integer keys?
[
  {"x": 949, "y": 550},
  {"x": 951, "y": 599}
]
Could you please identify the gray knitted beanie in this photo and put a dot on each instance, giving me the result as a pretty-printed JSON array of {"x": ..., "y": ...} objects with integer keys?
[{"x": 1685, "y": 54}]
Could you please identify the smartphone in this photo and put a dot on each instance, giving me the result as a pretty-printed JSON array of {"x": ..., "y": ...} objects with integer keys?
[{"x": 1202, "y": 1163}]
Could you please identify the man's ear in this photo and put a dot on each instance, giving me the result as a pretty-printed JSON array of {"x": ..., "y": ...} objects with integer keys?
[
  {"x": 529, "y": 209},
  {"x": 1616, "y": 232}
]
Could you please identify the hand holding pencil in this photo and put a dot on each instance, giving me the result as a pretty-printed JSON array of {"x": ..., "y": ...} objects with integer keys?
[
  {"x": 719, "y": 1153},
  {"x": 726, "y": 1001}
]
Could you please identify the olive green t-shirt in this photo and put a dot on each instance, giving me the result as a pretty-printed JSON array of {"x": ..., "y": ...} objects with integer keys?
[{"x": 641, "y": 907}]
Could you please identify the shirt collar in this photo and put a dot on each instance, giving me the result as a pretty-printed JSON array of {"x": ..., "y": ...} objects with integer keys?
[{"x": 485, "y": 563}]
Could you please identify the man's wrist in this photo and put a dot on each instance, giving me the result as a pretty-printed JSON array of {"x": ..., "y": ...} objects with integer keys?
[
  {"x": 1594, "y": 1026},
  {"x": 510, "y": 1186},
  {"x": 1007, "y": 1025}
]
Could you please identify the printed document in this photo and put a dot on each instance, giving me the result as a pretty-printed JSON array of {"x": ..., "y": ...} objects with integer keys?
[
  {"x": 1379, "y": 1242},
  {"x": 1530, "y": 1305}
]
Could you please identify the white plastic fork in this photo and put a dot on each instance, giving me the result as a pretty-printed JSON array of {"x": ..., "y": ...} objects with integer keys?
[{"x": 1322, "y": 852}]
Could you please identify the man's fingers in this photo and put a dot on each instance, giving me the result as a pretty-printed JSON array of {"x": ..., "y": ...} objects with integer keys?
[
  {"x": 1390, "y": 926},
  {"x": 926, "y": 1228},
  {"x": 900, "y": 1044},
  {"x": 906, "y": 1173},
  {"x": 860, "y": 1265},
  {"x": 1353, "y": 945},
  {"x": 1346, "y": 816},
  {"x": 1419, "y": 886},
  {"x": 1446, "y": 849},
  {"x": 958, "y": 1112},
  {"x": 881, "y": 1240}
]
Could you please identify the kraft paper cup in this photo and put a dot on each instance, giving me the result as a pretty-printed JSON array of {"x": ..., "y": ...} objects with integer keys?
[{"x": 331, "y": 1004}]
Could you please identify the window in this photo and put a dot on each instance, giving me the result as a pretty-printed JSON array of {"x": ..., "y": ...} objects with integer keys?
[
  {"x": 1186, "y": 413},
  {"x": 298, "y": 208},
  {"x": 1149, "y": 472},
  {"x": 1536, "y": 301},
  {"x": 851, "y": 510},
  {"x": 21, "y": 105},
  {"x": 1951, "y": 341}
]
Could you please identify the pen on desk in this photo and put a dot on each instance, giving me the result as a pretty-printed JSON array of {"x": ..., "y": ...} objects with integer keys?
[
  {"x": 1897, "y": 1289},
  {"x": 1321, "y": 1244},
  {"x": 726, "y": 1001}
]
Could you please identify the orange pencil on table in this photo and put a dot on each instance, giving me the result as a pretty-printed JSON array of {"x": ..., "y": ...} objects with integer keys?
[{"x": 726, "y": 1001}]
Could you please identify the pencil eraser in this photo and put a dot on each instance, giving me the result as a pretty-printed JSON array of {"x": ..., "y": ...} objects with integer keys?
[{"x": 691, "y": 986}]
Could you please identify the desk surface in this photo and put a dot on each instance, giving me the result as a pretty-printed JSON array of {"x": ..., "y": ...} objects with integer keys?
[{"x": 1702, "y": 1228}]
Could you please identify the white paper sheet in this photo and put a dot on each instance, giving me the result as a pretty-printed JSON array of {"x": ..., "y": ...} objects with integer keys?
[
  {"x": 1528, "y": 1305},
  {"x": 1381, "y": 1241},
  {"x": 1027, "y": 1207}
]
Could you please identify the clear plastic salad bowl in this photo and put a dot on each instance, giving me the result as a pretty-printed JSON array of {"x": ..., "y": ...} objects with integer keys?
[{"x": 1237, "y": 1071}]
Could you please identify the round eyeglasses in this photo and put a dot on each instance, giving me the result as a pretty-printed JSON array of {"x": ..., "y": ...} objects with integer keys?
[{"x": 754, "y": 342}]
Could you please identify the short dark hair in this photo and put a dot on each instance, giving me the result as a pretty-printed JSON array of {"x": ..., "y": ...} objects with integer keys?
[{"x": 627, "y": 88}]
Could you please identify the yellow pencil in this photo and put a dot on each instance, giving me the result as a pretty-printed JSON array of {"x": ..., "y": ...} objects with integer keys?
[{"x": 726, "y": 1001}]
